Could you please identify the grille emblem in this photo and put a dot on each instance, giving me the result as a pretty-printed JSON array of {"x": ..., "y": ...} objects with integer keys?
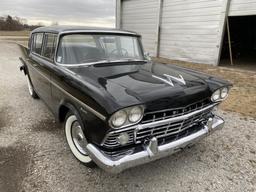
[{"x": 170, "y": 78}]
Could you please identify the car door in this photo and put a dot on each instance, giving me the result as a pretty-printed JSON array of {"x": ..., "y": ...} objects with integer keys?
[
  {"x": 38, "y": 68},
  {"x": 48, "y": 64}
]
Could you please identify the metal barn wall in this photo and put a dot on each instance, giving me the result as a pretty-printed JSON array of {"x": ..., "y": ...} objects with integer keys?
[
  {"x": 141, "y": 16},
  {"x": 242, "y": 7},
  {"x": 190, "y": 30}
]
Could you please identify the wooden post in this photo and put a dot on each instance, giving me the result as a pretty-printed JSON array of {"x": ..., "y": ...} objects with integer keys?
[
  {"x": 229, "y": 43},
  {"x": 159, "y": 17},
  {"x": 118, "y": 14},
  {"x": 222, "y": 29}
]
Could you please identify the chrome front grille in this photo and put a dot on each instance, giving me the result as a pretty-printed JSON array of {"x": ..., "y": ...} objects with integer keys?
[
  {"x": 111, "y": 138},
  {"x": 162, "y": 127},
  {"x": 170, "y": 113},
  {"x": 171, "y": 128}
]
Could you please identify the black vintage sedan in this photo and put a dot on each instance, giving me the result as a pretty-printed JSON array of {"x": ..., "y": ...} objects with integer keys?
[{"x": 119, "y": 109}]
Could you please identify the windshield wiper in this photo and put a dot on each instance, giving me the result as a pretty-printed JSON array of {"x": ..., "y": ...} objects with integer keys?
[
  {"x": 125, "y": 60},
  {"x": 104, "y": 61}
]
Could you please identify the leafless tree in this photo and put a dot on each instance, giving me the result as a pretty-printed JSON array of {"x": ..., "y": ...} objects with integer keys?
[{"x": 11, "y": 23}]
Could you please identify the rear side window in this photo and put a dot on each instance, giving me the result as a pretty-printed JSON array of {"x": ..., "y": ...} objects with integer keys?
[
  {"x": 37, "y": 43},
  {"x": 49, "y": 46}
]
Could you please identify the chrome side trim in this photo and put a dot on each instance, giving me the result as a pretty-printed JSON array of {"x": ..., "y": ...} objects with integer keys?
[
  {"x": 152, "y": 151},
  {"x": 102, "y": 117}
]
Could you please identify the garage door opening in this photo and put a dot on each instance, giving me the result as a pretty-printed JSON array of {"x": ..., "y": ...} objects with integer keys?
[{"x": 242, "y": 30}]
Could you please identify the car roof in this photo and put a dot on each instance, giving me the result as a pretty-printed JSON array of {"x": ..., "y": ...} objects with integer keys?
[{"x": 80, "y": 29}]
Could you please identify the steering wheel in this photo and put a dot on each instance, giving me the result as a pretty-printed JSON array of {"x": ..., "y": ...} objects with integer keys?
[{"x": 124, "y": 52}]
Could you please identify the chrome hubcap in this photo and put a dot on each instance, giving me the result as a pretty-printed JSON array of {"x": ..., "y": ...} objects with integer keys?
[{"x": 78, "y": 137}]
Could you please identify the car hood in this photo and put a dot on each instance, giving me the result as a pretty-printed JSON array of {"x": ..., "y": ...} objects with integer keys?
[{"x": 157, "y": 86}]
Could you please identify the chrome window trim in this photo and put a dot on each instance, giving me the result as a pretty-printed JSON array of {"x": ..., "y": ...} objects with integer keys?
[
  {"x": 89, "y": 31},
  {"x": 44, "y": 43},
  {"x": 98, "y": 31},
  {"x": 33, "y": 34},
  {"x": 42, "y": 57}
]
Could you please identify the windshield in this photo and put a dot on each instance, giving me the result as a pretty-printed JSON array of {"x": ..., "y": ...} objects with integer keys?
[{"x": 89, "y": 48}]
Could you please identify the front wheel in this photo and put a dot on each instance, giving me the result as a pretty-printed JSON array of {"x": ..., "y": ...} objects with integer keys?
[{"x": 76, "y": 140}]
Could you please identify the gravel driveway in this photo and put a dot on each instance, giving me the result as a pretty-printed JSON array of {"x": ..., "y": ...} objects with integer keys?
[{"x": 34, "y": 155}]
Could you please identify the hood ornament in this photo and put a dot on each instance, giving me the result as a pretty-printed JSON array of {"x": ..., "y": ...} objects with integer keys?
[{"x": 170, "y": 78}]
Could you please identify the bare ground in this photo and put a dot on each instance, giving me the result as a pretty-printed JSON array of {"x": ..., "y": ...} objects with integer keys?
[{"x": 14, "y": 33}]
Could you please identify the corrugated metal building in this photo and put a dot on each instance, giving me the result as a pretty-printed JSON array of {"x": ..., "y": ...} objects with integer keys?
[{"x": 187, "y": 30}]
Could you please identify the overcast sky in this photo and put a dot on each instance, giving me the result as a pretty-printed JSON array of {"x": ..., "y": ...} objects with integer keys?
[{"x": 65, "y": 12}]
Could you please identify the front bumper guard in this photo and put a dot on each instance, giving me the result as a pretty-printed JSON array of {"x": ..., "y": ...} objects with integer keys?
[{"x": 152, "y": 151}]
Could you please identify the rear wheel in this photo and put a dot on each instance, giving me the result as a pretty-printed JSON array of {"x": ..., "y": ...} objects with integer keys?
[
  {"x": 31, "y": 88},
  {"x": 76, "y": 140}
]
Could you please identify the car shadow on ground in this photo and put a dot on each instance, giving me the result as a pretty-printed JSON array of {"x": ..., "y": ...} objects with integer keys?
[
  {"x": 47, "y": 125},
  {"x": 14, "y": 165}
]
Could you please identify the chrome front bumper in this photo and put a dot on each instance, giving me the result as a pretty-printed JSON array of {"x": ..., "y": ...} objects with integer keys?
[{"x": 152, "y": 151}]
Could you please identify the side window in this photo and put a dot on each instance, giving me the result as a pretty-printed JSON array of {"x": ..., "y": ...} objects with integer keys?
[
  {"x": 37, "y": 43},
  {"x": 49, "y": 46}
]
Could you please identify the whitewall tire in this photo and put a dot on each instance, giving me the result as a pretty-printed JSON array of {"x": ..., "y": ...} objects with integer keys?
[
  {"x": 31, "y": 88},
  {"x": 76, "y": 139}
]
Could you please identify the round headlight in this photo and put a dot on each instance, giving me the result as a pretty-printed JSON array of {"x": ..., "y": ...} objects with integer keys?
[
  {"x": 224, "y": 93},
  {"x": 135, "y": 114},
  {"x": 119, "y": 118},
  {"x": 216, "y": 95}
]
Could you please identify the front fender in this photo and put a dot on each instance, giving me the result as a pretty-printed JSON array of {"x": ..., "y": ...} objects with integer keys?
[{"x": 94, "y": 128}]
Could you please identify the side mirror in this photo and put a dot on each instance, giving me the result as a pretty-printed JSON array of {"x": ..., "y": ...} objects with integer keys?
[{"x": 147, "y": 56}]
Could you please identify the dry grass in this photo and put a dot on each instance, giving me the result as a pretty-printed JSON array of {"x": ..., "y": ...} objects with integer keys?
[
  {"x": 20, "y": 37},
  {"x": 242, "y": 98},
  {"x": 14, "y": 33}
]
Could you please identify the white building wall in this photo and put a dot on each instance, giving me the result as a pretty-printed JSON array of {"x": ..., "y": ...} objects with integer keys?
[
  {"x": 242, "y": 7},
  {"x": 190, "y": 30},
  {"x": 141, "y": 16}
]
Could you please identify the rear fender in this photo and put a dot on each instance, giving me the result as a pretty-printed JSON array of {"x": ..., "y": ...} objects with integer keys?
[
  {"x": 23, "y": 66},
  {"x": 24, "y": 56}
]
